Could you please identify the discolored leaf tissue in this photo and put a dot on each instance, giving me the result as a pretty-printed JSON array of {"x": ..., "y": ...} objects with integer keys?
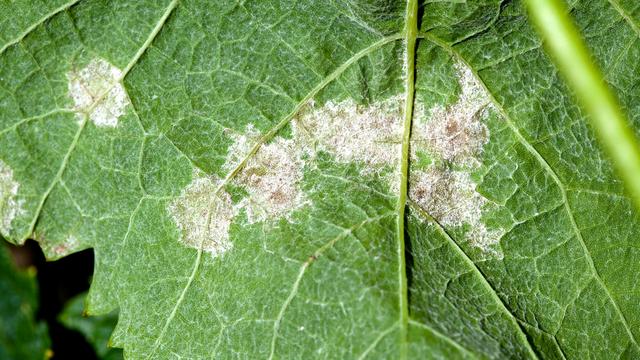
[{"x": 324, "y": 179}]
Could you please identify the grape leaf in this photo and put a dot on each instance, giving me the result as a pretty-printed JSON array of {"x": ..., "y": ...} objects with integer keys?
[
  {"x": 21, "y": 336},
  {"x": 96, "y": 329},
  {"x": 303, "y": 179}
]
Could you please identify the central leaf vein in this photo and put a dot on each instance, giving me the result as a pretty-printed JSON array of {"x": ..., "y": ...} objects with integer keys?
[{"x": 410, "y": 38}]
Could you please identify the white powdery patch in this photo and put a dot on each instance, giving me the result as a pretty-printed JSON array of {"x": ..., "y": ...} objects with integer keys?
[
  {"x": 351, "y": 133},
  {"x": 242, "y": 145},
  {"x": 449, "y": 196},
  {"x": 371, "y": 134},
  {"x": 452, "y": 199},
  {"x": 455, "y": 136},
  {"x": 204, "y": 215},
  {"x": 271, "y": 178},
  {"x": 10, "y": 207},
  {"x": 97, "y": 91},
  {"x": 456, "y": 133},
  {"x": 204, "y": 211}
]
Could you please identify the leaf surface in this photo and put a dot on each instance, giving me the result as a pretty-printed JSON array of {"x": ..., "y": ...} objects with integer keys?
[{"x": 239, "y": 170}]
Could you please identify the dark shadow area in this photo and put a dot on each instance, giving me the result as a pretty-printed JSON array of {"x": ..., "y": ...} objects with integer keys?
[
  {"x": 408, "y": 256},
  {"x": 421, "y": 6},
  {"x": 58, "y": 282}
]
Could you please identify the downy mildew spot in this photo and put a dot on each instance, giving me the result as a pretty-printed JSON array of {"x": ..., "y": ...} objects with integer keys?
[
  {"x": 271, "y": 177},
  {"x": 98, "y": 93},
  {"x": 370, "y": 134},
  {"x": 456, "y": 133},
  {"x": 204, "y": 215},
  {"x": 10, "y": 206},
  {"x": 454, "y": 136}
]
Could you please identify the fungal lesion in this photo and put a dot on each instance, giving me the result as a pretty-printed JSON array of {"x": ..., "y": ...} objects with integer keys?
[
  {"x": 369, "y": 134},
  {"x": 97, "y": 93},
  {"x": 10, "y": 206},
  {"x": 454, "y": 138},
  {"x": 203, "y": 213},
  {"x": 451, "y": 137},
  {"x": 456, "y": 133},
  {"x": 271, "y": 178}
]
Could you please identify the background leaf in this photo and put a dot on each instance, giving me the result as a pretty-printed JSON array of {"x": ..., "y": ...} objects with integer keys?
[
  {"x": 21, "y": 335},
  {"x": 96, "y": 329}
]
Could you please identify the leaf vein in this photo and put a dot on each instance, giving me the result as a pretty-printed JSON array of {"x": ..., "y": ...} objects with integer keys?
[
  {"x": 376, "y": 341},
  {"x": 82, "y": 126},
  {"x": 561, "y": 186},
  {"x": 627, "y": 18},
  {"x": 494, "y": 294},
  {"x": 42, "y": 20},
  {"x": 303, "y": 269},
  {"x": 442, "y": 336}
]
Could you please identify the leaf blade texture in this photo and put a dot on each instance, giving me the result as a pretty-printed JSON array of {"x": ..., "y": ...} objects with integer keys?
[{"x": 237, "y": 169}]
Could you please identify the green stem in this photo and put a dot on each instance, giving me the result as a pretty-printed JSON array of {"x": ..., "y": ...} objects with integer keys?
[
  {"x": 411, "y": 33},
  {"x": 574, "y": 61}
]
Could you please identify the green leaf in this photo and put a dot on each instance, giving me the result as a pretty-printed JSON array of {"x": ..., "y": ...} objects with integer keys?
[
  {"x": 311, "y": 179},
  {"x": 21, "y": 336},
  {"x": 96, "y": 329},
  {"x": 574, "y": 60}
]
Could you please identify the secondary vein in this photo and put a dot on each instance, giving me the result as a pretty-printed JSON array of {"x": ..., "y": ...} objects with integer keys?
[
  {"x": 474, "y": 268},
  {"x": 264, "y": 139},
  {"x": 41, "y": 21},
  {"x": 321, "y": 85},
  {"x": 85, "y": 119},
  {"x": 562, "y": 187}
]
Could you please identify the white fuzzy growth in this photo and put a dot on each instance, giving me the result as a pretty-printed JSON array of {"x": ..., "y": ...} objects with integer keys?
[
  {"x": 97, "y": 91},
  {"x": 204, "y": 216},
  {"x": 456, "y": 133},
  {"x": 452, "y": 199},
  {"x": 242, "y": 145},
  {"x": 449, "y": 196},
  {"x": 272, "y": 177},
  {"x": 368, "y": 134},
  {"x": 455, "y": 136},
  {"x": 10, "y": 207}
]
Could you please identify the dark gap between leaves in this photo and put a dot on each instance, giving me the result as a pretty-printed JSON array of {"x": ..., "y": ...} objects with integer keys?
[{"x": 58, "y": 282}]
